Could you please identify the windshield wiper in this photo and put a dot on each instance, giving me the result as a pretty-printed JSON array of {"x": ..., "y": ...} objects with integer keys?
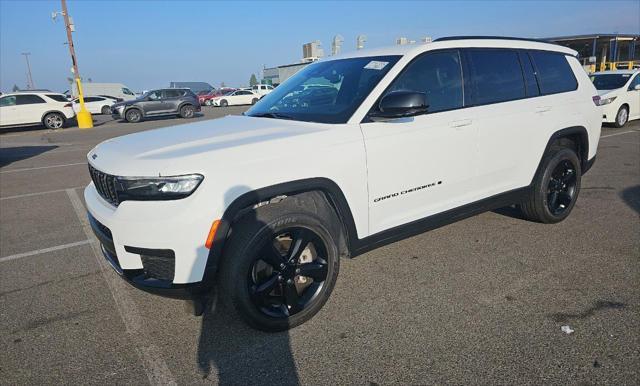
[{"x": 272, "y": 115}]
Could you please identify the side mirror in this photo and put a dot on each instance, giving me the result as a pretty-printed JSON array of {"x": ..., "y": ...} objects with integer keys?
[{"x": 400, "y": 104}]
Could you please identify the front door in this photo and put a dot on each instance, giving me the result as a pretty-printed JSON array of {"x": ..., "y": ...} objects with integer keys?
[
  {"x": 153, "y": 104},
  {"x": 422, "y": 165}
]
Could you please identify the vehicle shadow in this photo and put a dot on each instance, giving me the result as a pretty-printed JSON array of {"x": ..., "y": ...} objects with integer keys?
[
  {"x": 510, "y": 211},
  {"x": 9, "y": 155},
  {"x": 238, "y": 353},
  {"x": 631, "y": 197}
]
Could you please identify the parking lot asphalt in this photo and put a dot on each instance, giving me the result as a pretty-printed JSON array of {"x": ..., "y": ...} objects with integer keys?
[{"x": 479, "y": 301}]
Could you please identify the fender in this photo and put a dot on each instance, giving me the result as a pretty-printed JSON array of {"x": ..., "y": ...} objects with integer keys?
[
  {"x": 124, "y": 112},
  {"x": 330, "y": 188},
  {"x": 583, "y": 146}
]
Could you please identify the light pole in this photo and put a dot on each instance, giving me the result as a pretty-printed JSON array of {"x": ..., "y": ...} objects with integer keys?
[
  {"x": 30, "y": 84},
  {"x": 84, "y": 117}
]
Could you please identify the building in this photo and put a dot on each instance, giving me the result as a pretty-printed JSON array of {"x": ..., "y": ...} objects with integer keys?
[
  {"x": 312, "y": 51},
  {"x": 277, "y": 75},
  {"x": 603, "y": 51}
]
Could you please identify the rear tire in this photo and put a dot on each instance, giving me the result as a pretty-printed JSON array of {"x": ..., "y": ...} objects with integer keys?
[
  {"x": 260, "y": 274},
  {"x": 133, "y": 116},
  {"x": 622, "y": 117},
  {"x": 187, "y": 111},
  {"x": 53, "y": 121},
  {"x": 106, "y": 110},
  {"x": 555, "y": 188},
  {"x": 254, "y": 101}
]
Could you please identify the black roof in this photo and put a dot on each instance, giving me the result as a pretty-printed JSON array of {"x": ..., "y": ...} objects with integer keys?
[{"x": 449, "y": 38}]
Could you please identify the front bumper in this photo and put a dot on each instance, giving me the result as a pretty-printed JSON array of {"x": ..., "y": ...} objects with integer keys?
[{"x": 157, "y": 246}]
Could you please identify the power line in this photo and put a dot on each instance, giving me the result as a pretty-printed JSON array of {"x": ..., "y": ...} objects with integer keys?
[{"x": 30, "y": 84}]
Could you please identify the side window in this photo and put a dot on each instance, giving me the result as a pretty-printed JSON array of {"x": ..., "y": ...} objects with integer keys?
[
  {"x": 91, "y": 99},
  {"x": 28, "y": 99},
  {"x": 8, "y": 101},
  {"x": 496, "y": 76},
  {"x": 126, "y": 91},
  {"x": 437, "y": 74},
  {"x": 529, "y": 75},
  {"x": 155, "y": 95},
  {"x": 635, "y": 82},
  {"x": 172, "y": 93},
  {"x": 554, "y": 72}
]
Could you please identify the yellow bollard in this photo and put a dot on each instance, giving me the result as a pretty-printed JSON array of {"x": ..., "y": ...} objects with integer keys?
[{"x": 85, "y": 121}]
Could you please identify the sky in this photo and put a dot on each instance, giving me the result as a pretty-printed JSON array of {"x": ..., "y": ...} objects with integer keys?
[{"x": 148, "y": 43}]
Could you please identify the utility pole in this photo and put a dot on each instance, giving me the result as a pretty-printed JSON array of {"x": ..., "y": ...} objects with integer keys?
[
  {"x": 84, "y": 117},
  {"x": 30, "y": 84}
]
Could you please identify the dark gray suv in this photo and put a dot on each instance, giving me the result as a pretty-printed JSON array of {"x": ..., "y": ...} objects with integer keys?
[{"x": 167, "y": 101}]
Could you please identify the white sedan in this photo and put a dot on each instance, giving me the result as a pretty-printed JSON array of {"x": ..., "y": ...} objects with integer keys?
[
  {"x": 236, "y": 98},
  {"x": 619, "y": 95},
  {"x": 95, "y": 104}
]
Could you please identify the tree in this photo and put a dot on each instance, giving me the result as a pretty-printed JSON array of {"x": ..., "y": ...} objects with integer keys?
[
  {"x": 253, "y": 81},
  {"x": 15, "y": 88}
]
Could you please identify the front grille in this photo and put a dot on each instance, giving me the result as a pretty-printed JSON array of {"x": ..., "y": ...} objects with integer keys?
[{"x": 105, "y": 185}]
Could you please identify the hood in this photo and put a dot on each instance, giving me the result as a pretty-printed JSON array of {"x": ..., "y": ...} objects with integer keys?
[
  {"x": 194, "y": 147},
  {"x": 127, "y": 102}
]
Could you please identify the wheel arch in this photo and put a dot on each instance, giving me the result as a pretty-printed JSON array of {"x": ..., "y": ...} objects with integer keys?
[
  {"x": 579, "y": 136},
  {"x": 334, "y": 196},
  {"x": 126, "y": 109},
  {"x": 64, "y": 117}
]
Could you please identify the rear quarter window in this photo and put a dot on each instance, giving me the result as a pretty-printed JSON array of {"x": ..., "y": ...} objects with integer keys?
[
  {"x": 554, "y": 72},
  {"x": 58, "y": 98}
]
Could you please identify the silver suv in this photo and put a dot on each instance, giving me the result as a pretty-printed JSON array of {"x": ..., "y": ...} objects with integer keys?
[{"x": 171, "y": 101}]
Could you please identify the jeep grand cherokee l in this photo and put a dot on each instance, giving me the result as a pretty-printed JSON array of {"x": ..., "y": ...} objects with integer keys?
[{"x": 349, "y": 154}]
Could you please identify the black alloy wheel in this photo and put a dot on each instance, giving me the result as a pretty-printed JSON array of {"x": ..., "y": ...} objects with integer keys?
[
  {"x": 562, "y": 187},
  {"x": 288, "y": 272}
]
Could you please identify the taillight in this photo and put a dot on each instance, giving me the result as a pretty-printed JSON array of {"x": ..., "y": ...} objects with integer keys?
[{"x": 596, "y": 99}]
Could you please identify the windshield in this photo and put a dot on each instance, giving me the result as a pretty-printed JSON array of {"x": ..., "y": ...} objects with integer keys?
[
  {"x": 325, "y": 92},
  {"x": 609, "y": 81}
]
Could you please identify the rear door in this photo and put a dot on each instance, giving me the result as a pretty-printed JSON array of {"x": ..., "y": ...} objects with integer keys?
[
  {"x": 30, "y": 108},
  {"x": 422, "y": 165},
  {"x": 171, "y": 101},
  {"x": 500, "y": 82}
]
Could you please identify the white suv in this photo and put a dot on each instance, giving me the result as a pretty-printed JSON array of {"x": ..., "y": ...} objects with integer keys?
[
  {"x": 51, "y": 109},
  {"x": 386, "y": 144}
]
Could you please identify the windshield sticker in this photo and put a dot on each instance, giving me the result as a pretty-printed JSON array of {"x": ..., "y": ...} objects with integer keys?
[
  {"x": 626, "y": 75},
  {"x": 375, "y": 65}
]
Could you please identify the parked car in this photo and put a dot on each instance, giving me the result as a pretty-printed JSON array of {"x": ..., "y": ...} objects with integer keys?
[
  {"x": 52, "y": 110},
  {"x": 262, "y": 89},
  {"x": 95, "y": 104},
  {"x": 115, "y": 90},
  {"x": 236, "y": 98},
  {"x": 419, "y": 136},
  {"x": 169, "y": 101},
  {"x": 206, "y": 99},
  {"x": 619, "y": 95}
]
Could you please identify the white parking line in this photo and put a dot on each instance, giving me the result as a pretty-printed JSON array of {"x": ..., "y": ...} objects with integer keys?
[
  {"x": 43, "y": 250},
  {"x": 624, "y": 132},
  {"x": 38, "y": 193},
  {"x": 154, "y": 364},
  {"x": 41, "y": 167}
]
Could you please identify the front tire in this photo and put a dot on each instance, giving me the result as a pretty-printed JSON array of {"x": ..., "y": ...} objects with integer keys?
[
  {"x": 555, "y": 188},
  {"x": 224, "y": 103},
  {"x": 254, "y": 101},
  {"x": 622, "y": 117},
  {"x": 133, "y": 116},
  {"x": 280, "y": 266},
  {"x": 207, "y": 102},
  {"x": 53, "y": 121},
  {"x": 187, "y": 111}
]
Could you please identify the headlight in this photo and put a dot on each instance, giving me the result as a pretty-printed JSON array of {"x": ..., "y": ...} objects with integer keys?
[
  {"x": 157, "y": 188},
  {"x": 606, "y": 101},
  {"x": 120, "y": 108}
]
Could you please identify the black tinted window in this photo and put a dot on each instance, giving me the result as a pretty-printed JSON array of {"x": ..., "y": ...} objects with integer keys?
[
  {"x": 496, "y": 76},
  {"x": 58, "y": 98},
  {"x": 554, "y": 72},
  {"x": 172, "y": 93},
  {"x": 28, "y": 99},
  {"x": 437, "y": 74},
  {"x": 529, "y": 75},
  {"x": 8, "y": 100},
  {"x": 92, "y": 99}
]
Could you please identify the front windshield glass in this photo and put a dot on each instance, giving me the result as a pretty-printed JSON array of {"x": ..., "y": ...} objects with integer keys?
[
  {"x": 609, "y": 81},
  {"x": 325, "y": 92}
]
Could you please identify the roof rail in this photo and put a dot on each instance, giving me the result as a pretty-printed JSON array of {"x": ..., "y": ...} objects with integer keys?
[{"x": 449, "y": 38}]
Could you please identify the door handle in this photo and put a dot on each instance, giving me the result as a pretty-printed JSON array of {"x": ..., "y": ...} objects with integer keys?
[
  {"x": 460, "y": 123},
  {"x": 542, "y": 109}
]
